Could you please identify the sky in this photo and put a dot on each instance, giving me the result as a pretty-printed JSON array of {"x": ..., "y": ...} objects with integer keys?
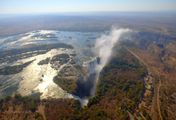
[{"x": 54, "y": 6}]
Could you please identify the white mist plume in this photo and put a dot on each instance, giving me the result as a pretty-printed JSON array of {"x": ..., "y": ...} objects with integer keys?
[
  {"x": 103, "y": 49},
  {"x": 105, "y": 44}
]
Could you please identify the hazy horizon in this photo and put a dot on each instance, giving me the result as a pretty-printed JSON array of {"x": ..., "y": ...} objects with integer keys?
[{"x": 66, "y": 6}]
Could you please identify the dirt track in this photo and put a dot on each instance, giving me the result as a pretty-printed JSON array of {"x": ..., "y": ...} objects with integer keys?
[{"x": 156, "y": 97}]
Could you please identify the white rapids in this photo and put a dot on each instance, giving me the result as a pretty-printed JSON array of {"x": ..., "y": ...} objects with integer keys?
[{"x": 39, "y": 78}]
